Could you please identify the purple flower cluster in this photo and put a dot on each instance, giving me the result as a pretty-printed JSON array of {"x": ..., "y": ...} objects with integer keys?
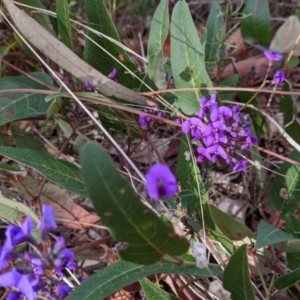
[
  {"x": 32, "y": 273},
  {"x": 145, "y": 121},
  {"x": 221, "y": 130}
]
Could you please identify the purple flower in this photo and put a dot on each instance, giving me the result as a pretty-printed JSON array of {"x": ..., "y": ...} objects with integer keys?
[
  {"x": 215, "y": 151},
  {"x": 112, "y": 75},
  {"x": 272, "y": 55},
  {"x": 21, "y": 234},
  {"x": 14, "y": 296},
  {"x": 21, "y": 281},
  {"x": 240, "y": 166},
  {"x": 145, "y": 121},
  {"x": 194, "y": 126},
  {"x": 278, "y": 78},
  {"x": 161, "y": 182},
  {"x": 203, "y": 153},
  {"x": 6, "y": 254},
  {"x": 47, "y": 222},
  {"x": 62, "y": 290},
  {"x": 89, "y": 86}
]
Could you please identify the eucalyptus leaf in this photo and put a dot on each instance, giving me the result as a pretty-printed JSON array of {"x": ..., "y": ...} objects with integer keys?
[
  {"x": 68, "y": 60},
  {"x": 286, "y": 36},
  {"x": 123, "y": 273},
  {"x": 147, "y": 236}
]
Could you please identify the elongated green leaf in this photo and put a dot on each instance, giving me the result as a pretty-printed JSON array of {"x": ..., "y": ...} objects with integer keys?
[
  {"x": 291, "y": 125},
  {"x": 105, "y": 59},
  {"x": 148, "y": 238},
  {"x": 63, "y": 173},
  {"x": 16, "y": 106},
  {"x": 236, "y": 276},
  {"x": 288, "y": 179},
  {"x": 10, "y": 168},
  {"x": 10, "y": 210},
  {"x": 24, "y": 140},
  {"x": 63, "y": 22},
  {"x": 287, "y": 280},
  {"x": 232, "y": 228},
  {"x": 215, "y": 35},
  {"x": 187, "y": 59},
  {"x": 152, "y": 291},
  {"x": 256, "y": 27},
  {"x": 189, "y": 200},
  {"x": 292, "y": 225},
  {"x": 122, "y": 273},
  {"x": 158, "y": 34},
  {"x": 268, "y": 234}
]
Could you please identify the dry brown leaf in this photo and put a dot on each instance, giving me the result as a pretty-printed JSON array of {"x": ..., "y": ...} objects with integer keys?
[
  {"x": 259, "y": 64},
  {"x": 66, "y": 210}
]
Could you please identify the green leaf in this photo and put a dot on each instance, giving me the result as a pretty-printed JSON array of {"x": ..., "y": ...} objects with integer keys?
[
  {"x": 158, "y": 34},
  {"x": 291, "y": 125},
  {"x": 190, "y": 179},
  {"x": 232, "y": 228},
  {"x": 256, "y": 26},
  {"x": 17, "y": 106},
  {"x": 147, "y": 236},
  {"x": 228, "y": 82},
  {"x": 98, "y": 18},
  {"x": 63, "y": 173},
  {"x": 152, "y": 291},
  {"x": 236, "y": 276},
  {"x": 268, "y": 234},
  {"x": 68, "y": 131},
  {"x": 10, "y": 210},
  {"x": 293, "y": 260},
  {"x": 10, "y": 168},
  {"x": 292, "y": 225},
  {"x": 25, "y": 140},
  {"x": 187, "y": 59},
  {"x": 288, "y": 178},
  {"x": 287, "y": 280},
  {"x": 188, "y": 200},
  {"x": 215, "y": 35},
  {"x": 63, "y": 22},
  {"x": 123, "y": 273}
]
